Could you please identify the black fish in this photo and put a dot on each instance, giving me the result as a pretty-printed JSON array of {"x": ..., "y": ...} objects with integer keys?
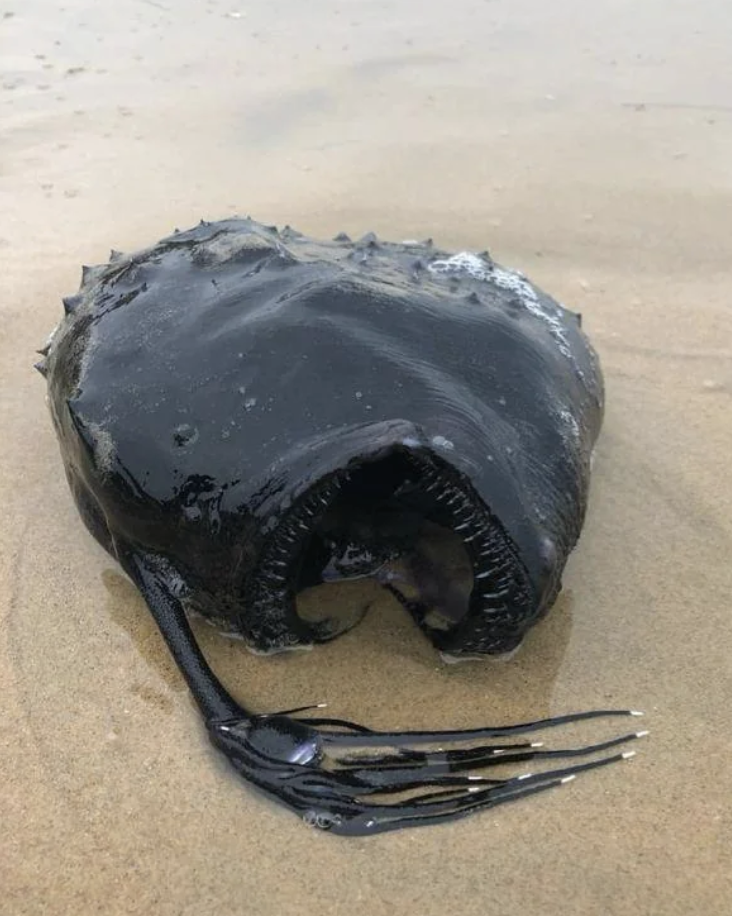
[{"x": 244, "y": 412}]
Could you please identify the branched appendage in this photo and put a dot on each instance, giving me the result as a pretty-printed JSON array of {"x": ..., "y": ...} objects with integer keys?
[
  {"x": 340, "y": 776},
  {"x": 349, "y": 779}
]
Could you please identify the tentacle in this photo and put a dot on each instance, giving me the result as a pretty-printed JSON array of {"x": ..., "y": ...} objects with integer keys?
[
  {"x": 375, "y": 738},
  {"x": 441, "y": 762},
  {"x": 313, "y": 765},
  {"x": 334, "y": 796}
]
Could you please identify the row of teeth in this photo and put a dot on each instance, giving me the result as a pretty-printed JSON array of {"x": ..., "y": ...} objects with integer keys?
[
  {"x": 296, "y": 527},
  {"x": 492, "y": 565},
  {"x": 271, "y": 590}
]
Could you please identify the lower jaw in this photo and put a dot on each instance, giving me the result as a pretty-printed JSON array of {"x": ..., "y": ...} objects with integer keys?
[{"x": 502, "y": 603}]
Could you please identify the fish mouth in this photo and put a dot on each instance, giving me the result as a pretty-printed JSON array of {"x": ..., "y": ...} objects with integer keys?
[{"x": 381, "y": 516}]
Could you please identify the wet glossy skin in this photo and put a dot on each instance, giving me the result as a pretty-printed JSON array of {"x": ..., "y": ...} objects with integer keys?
[
  {"x": 217, "y": 395},
  {"x": 228, "y": 368}
]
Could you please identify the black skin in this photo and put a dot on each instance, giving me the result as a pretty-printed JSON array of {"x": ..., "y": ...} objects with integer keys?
[{"x": 236, "y": 397}]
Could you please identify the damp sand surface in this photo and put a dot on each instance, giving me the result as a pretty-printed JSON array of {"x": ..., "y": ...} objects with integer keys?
[{"x": 586, "y": 144}]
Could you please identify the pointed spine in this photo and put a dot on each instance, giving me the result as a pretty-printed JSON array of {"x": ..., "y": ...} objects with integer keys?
[
  {"x": 91, "y": 273},
  {"x": 71, "y": 303},
  {"x": 41, "y": 367},
  {"x": 370, "y": 239}
]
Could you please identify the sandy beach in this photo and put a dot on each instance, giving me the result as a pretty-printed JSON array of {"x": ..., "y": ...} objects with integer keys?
[{"x": 588, "y": 145}]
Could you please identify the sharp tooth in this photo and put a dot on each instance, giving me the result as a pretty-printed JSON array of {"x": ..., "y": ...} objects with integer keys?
[
  {"x": 484, "y": 575},
  {"x": 470, "y": 517},
  {"x": 489, "y": 603}
]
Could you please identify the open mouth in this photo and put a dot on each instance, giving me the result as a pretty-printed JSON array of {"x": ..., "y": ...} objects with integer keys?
[{"x": 406, "y": 518}]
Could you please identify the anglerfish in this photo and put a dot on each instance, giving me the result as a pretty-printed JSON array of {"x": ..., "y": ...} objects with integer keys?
[{"x": 244, "y": 412}]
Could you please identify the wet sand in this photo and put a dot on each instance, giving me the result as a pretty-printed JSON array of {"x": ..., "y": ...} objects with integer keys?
[{"x": 588, "y": 145}]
